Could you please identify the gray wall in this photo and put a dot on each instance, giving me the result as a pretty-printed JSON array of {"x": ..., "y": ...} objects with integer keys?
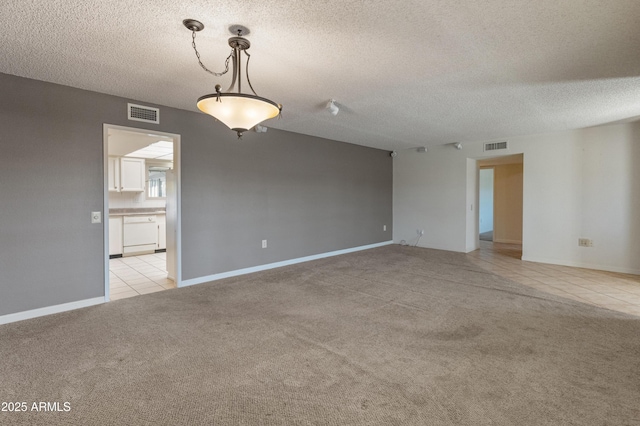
[{"x": 305, "y": 195}]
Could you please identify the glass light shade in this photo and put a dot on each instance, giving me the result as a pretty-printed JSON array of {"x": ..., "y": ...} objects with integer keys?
[{"x": 238, "y": 111}]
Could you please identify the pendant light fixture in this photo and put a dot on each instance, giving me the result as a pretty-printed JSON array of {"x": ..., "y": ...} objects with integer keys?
[{"x": 238, "y": 111}]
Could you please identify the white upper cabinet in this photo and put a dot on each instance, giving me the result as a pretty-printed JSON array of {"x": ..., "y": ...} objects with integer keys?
[
  {"x": 114, "y": 174},
  {"x": 132, "y": 173},
  {"x": 126, "y": 174}
]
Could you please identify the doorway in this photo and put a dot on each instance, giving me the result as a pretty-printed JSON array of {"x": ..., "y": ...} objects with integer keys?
[
  {"x": 500, "y": 199},
  {"x": 142, "y": 211},
  {"x": 485, "y": 204}
]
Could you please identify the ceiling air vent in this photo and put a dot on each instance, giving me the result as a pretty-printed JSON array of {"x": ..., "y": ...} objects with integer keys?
[
  {"x": 143, "y": 113},
  {"x": 493, "y": 146}
]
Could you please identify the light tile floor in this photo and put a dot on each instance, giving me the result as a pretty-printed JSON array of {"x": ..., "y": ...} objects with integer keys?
[
  {"x": 611, "y": 290},
  {"x": 131, "y": 276}
]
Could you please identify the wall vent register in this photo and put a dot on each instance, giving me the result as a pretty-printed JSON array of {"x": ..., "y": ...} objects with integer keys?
[
  {"x": 143, "y": 113},
  {"x": 494, "y": 146}
]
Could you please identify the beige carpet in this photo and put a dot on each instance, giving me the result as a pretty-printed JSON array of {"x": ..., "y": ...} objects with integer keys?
[{"x": 390, "y": 336}]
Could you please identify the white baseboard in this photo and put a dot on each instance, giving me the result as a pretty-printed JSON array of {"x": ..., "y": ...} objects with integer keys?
[
  {"x": 585, "y": 265},
  {"x": 34, "y": 313},
  {"x": 244, "y": 271},
  {"x": 502, "y": 241}
]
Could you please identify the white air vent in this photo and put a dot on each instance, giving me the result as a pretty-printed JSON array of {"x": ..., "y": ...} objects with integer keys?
[
  {"x": 143, "y": 113},
  {"x": 493, "y": 146}
]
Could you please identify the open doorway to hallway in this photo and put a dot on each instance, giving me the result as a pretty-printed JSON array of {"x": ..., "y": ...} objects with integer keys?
[
  {"x": 141, "y": 200},
  {"x": 486, "y": 204},
  {"x": 500, "y": 196}
]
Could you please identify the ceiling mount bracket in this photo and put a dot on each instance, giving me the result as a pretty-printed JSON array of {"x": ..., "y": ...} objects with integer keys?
[
  {"x": 193, "y": 25},
  {"x": 239, "y": 30},
  {"x": 239, "y": 43}
]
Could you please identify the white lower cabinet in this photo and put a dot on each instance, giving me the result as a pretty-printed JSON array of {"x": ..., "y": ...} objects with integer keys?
[
  {"x": 115, "y": 235},
  {"x": 161, "y": 221}
]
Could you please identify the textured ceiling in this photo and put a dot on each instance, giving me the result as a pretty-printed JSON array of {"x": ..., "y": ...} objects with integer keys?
[{"x": 405, "y": 73}]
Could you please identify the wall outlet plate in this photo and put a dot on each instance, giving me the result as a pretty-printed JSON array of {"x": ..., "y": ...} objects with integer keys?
[
  {"x": 585, "y": 242},
  {"x": 264, "y": 243},
  {"x": 96, "y": 217}
]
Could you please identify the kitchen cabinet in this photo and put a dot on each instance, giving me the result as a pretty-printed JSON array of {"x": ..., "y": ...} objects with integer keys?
[
  {"x": 126, "y": 174},
  {"x": 115, "y": 235},
  {"x": 113, "y": 174},
  {"x": 161, "y": 221},
  {"x": 132, "y": 174}
]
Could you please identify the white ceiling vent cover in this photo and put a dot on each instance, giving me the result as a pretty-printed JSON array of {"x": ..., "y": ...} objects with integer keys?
[
  {"x": 143, "y": 113},
  {"x": 494, "y": 146}
]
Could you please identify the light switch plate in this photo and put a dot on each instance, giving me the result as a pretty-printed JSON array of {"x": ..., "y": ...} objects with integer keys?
[{"x": 96, "y": 217}]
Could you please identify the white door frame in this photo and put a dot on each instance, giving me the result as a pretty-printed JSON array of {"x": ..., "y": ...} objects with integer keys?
[{"x": 105, "y": 216}]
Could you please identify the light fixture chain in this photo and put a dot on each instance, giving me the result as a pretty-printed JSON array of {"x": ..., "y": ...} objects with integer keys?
[{"x": 226, "y": 62}]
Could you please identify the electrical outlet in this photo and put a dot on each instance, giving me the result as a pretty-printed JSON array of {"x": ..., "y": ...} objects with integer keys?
[
  {"x": 420, "y": 232},
  {"x": 585, "y": 242},
  {"x": 96, "y": 217},
  {"x": 264, "y": 243},
  {"x": 384, "y": 227}
]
